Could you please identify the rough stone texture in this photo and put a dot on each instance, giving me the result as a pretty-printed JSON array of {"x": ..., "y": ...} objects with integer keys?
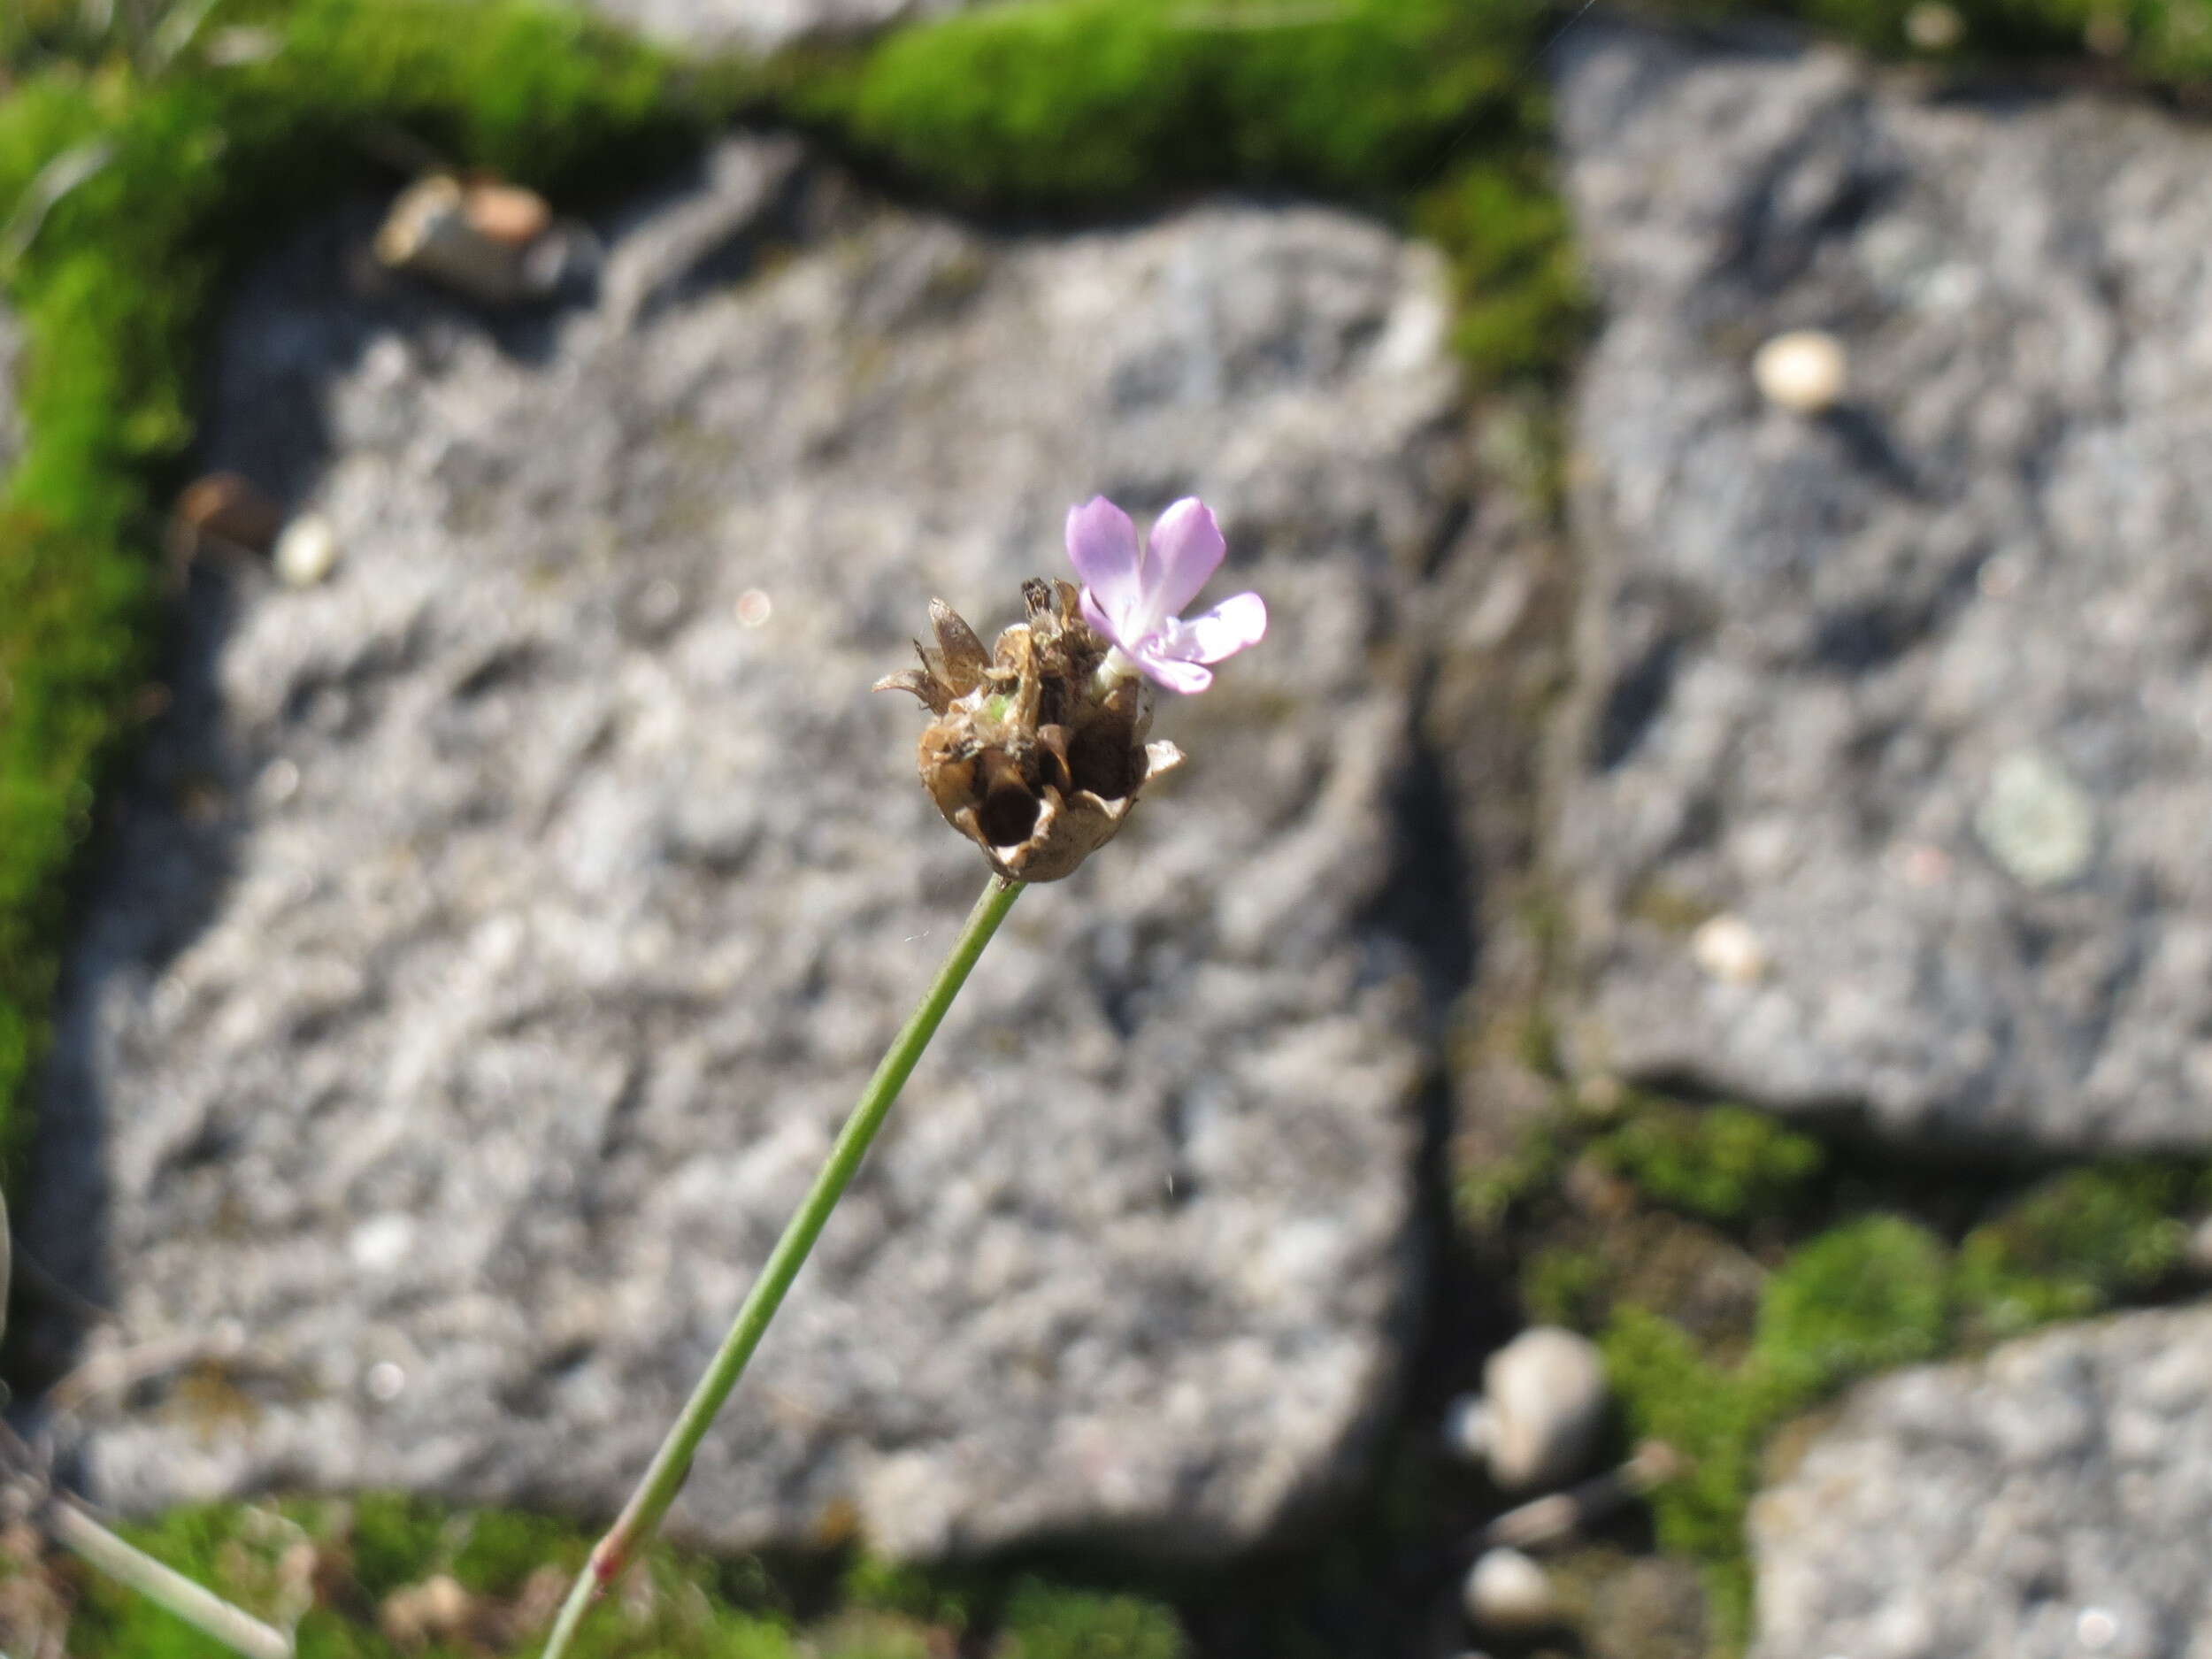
[
  {"x": 2051, "y": 1501},
  {"x": 712, "y": 25},
  {"x": 1919, "y": 692},
  {"x": 500, "y": 931}
]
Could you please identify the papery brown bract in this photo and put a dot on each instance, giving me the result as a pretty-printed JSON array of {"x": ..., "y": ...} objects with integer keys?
[{"x": 1034, "y": 755}]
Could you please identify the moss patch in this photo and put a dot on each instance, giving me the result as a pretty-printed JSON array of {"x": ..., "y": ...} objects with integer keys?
[
  {"x": 1725, "y": 1162},
  {"x": 1737, "y": 1273},
  {"x": 1105, "y": 103},
  {"x": 383, "y": 1577}
]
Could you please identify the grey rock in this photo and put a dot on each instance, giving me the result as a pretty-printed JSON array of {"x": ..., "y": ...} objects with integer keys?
[
  {"x": 499, "y": 931},
  {"x": 1915, "y": 691},
  {"x": 713, "y": 26},
  {"x": 2053, "y": 1500}
]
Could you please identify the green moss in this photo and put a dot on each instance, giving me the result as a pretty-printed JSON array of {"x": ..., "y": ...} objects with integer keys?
[
  {"x": 2074, "y": 1244},
  {"x": 1854, "y": 1301},
  {"x": 1737, "y": 1273},
  {"x": 1716, "y": 1418},
  {"x": 1486, "y": 1192},
  {"x": 1725, "y": 1163},
  {"x": 1109, "y": 102},
  {"x": 678, "y": 1605},
  {"x": 1565, "y": 1284},
  {"x": 1523, "y": 310},
  {"x": 1871, "y": 1295},
  {"x": 938, "y": 1597},
  {"x": 1044, "y": 1621}
]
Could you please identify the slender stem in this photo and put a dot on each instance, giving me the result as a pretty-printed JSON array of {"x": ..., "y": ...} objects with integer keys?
[
  {"x": 634, "y": 1526},
  {"x": 200, "y": 1607}
]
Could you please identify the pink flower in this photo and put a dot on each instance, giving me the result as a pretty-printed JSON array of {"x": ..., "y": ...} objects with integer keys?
[{"x": 1132, "y": 592}]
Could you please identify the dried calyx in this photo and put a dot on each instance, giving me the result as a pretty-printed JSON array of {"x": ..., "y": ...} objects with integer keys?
[{"x": 1034, "y": 755}]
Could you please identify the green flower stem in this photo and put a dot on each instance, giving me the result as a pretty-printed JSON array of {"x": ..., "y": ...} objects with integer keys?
[
  {"x": 636, "y": 1525},
  {"x": 200, "y": 1607}
]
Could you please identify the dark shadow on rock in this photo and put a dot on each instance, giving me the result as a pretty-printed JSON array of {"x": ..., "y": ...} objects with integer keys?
[{"x": 167, "y": 840}]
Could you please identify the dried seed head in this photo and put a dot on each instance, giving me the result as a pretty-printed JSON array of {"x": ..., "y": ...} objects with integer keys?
[{"x": 1034, "y": 755}]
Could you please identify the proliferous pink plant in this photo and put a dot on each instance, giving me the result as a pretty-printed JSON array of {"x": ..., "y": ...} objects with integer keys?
[
  {"x": 1131, "y": 591},
  {"x": 1036, "y": 752}
]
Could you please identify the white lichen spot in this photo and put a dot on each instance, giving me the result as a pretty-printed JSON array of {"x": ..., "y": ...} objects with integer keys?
[
  {"x": 2037, "y": 822},
  {"x": 1726, "y": 948},
  {"x": 1804, "y": 372},
  {"x": 754, "y": 608}
]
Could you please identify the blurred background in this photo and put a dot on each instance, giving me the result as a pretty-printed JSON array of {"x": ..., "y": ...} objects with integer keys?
[{"x": 1646, "y": 1094}]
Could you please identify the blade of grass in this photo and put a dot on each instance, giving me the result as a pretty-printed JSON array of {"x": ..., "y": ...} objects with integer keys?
[{"x": 195, "y": 1604}]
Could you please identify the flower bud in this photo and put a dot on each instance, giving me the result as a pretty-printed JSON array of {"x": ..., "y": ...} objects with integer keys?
[{"x": 1034, "y": 755}]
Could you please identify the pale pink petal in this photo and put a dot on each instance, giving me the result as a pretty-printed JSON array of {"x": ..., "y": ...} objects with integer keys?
[
  {"x": 1096, "y": 615},
  {"x": 1186, "y": 551},
  {"x": 1187, "y": 677},
  {"x": 1222, "y": 631},
  {"x": 1103, "y": 546}
]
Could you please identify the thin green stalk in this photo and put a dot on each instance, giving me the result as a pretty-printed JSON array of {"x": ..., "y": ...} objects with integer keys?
[
  {"x": 197, "y": 1606},
  {"x": 641, "y": 1515}
]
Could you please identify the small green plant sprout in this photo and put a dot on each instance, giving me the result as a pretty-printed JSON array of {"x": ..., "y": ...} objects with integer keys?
[{"x": 1036, "y": 752}]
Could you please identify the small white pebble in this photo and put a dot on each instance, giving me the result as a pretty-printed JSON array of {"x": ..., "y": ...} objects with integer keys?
[
  {"x": 1934, "y": 27},
  {"x": 385, "y": 1381},
  {"x": 306, "y": 551},
  {"x": 1508, "y": 1593},
  {"x": 2095, "y": 1629},
  {"x": 381, "y": 1243},
  {"x": 754, "y": 607},
  {"x": 1727, "y": 948},
  {"x": 1803, "y": 371}
]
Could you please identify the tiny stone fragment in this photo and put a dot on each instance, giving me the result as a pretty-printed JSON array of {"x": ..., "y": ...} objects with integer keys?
[
  {"x": 1542, "y": 1404},
  {"x": 306, "y": 551},
  {"x": 1507, "y": 1593},
  {"x": 1726, "y": 948},
  {"x": 226, "y": 510},
  {"x": 1803, "y": 371},
  {"x": 495, "y": 244}
]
